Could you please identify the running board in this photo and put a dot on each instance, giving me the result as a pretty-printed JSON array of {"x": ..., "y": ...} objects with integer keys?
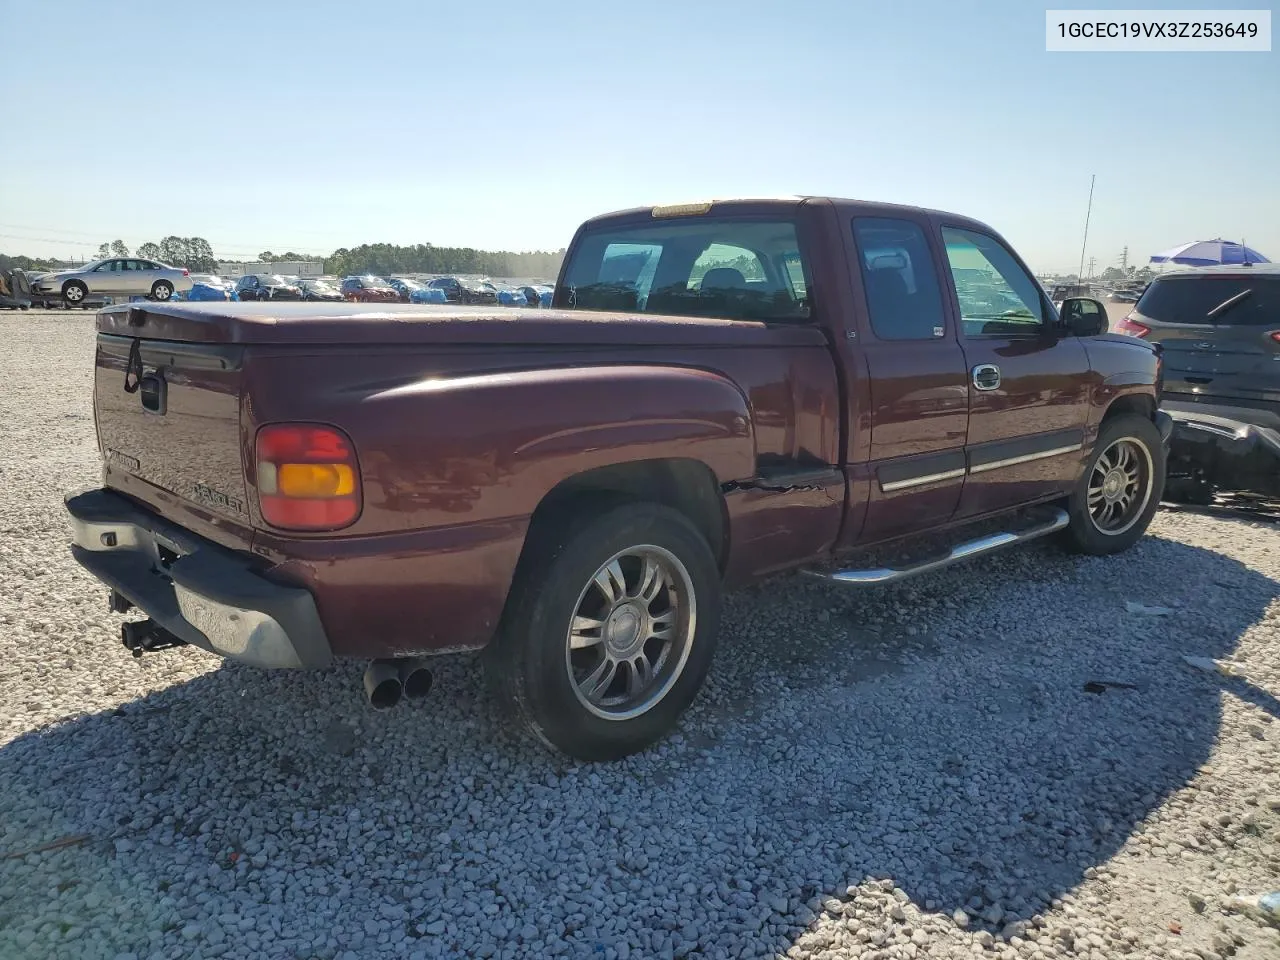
[{"x": 963, "y": 551}]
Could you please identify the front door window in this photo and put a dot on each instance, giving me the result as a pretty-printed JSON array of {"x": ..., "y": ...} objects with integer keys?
[{"x": 997, "y": 297}]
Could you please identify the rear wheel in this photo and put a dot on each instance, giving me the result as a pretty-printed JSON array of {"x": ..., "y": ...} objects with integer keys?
[
  {"x": 609, "y": 630},
  {"x": 161, "y": 290},
  {"x": 73, "y": 292},
  {"x": 1120, "y": 489}
]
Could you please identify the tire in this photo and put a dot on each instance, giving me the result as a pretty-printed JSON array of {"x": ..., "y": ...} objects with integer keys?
[
  {"x": 558, "y": 635},
  {"x": 161, "y": 290},
  {"x": 73, "y": 291},
  {"x": 1103, "y": 519}
]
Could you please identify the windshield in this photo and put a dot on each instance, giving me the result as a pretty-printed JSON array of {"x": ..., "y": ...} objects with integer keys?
[
  {"x": 410, "y": 284},
  {"x": 318, "y": 285},
  {"x": 277, "y": 280},
  {"x": 731, "y": 268},
  {"x": 1238, "y": 301}
]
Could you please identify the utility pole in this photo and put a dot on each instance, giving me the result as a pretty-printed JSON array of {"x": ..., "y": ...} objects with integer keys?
[
  {"x": 1092, "y": 261},
  {"x": 1124, "y": 260},
  {"x": 1085, "y": 242}
]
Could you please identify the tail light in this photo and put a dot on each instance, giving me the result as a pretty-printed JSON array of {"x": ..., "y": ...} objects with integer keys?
[
  {"x": 186, "y": 272},
  {"x": 1275, "y": 335},
  {"x": 308, "y": 477},
  {"x": 1132, "y": 327}
]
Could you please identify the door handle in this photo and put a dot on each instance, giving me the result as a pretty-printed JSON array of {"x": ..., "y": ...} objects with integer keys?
[{"x": 986, "y": 376}]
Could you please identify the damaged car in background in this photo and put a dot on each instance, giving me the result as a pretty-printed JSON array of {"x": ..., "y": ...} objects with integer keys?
[{"x": 1219, "y": 331}]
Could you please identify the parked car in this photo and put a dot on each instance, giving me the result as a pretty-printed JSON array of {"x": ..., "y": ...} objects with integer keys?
[
  {"x": 117, "y": 277},
  {"x": 466, "y": 291},
  {"x": 263, "y": 286},
  {"x": 369, "y": 289},
  {"x": 428, "y": 295},
  {"x": 405, "y": 288},
  {"x": 207, "y": 287},
  {"x": 1219, "y": 332},
  {"x": 511, "y": 297},
  {"x": 574, "y": 491},
  {"x": 537, "y": 295},
  {"x": 1063, "y": 291},
  {"x": 319, "y": 290}
]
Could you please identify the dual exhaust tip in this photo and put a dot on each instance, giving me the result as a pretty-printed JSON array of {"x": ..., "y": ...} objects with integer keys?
[{"x": 386, "y": 682}]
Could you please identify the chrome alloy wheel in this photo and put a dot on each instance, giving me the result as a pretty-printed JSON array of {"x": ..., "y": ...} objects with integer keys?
[
  {"x": 631, "y": 632},
  {"x": 1120, "y": 486}
]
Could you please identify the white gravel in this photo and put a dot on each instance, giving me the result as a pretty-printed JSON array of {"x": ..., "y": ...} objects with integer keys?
[{"x": 907, "y": 773}]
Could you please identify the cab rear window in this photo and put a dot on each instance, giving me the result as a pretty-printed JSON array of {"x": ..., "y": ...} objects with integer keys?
[
  {"x": 732, "y": 268},
  {"x": 1238, "y": 301}
]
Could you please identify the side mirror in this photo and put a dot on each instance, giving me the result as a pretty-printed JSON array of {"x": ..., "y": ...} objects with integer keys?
[{"x": 1084, "y": 317}]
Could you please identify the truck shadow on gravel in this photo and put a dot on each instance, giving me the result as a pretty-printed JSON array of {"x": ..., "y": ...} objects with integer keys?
[{"x": 940, "y": 734}]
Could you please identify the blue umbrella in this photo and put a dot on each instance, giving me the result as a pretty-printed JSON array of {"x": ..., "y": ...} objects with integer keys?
[{"x": 1207, "y": 253}]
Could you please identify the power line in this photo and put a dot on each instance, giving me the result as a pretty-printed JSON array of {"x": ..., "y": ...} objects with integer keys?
[{"x": 1088, "y": 212}]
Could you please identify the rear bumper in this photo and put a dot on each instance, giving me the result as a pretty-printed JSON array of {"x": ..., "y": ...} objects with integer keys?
[{"x": 200, "y": 592}]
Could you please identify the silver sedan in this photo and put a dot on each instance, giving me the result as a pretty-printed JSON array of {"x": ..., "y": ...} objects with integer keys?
[{"x": 119, "y": 276}]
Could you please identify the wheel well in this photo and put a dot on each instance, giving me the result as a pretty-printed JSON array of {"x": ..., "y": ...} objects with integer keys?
[
  {"x": 688, "y": 486},
  {"x": 1137, "y": 403}
]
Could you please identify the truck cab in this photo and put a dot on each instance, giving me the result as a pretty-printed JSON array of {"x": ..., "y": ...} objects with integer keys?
[{"x": 954, "y": 388}]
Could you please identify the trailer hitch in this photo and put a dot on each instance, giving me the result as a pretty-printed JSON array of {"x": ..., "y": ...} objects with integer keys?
[{"x": 146, "y": 636}]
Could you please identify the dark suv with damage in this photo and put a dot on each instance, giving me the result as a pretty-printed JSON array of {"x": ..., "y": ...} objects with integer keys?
[{"x": 1219, "y": 332}]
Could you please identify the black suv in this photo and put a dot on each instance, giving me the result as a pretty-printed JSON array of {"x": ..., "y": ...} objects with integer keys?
[
  {"x": 1219, "y": 329},
  {"x": 261, "y": 286},
  {"x": 466, "y": 291}
]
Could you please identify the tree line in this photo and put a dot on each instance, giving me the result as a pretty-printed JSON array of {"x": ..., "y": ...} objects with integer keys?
[
  {"x": 194, "y": 253},
  {"x": 385, "y": 258}
]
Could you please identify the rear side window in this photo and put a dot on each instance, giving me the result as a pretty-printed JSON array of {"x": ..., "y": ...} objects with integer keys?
[
  {"x": 904, "y": 299},
  {"x": 1234, "y": 301},
  {"x": 731, "y": 268}
]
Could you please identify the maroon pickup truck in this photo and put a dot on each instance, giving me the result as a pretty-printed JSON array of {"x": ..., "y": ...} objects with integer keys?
[{"x": 720, "y": 392}]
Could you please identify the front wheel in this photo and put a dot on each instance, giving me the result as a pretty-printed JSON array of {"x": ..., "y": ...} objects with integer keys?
[
  {"x": 1120, "y": 488},
  {"x": 73, "y": 292},
  {"x": 609, "y": 631},
  {"x": 161, "y": 290}
]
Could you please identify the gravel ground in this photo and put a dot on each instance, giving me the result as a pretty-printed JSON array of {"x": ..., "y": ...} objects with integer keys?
[{"x": 914, "y": 772}]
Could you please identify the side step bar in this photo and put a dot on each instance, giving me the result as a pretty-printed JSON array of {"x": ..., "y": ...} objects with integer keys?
[{"x": 963, "y": 551}]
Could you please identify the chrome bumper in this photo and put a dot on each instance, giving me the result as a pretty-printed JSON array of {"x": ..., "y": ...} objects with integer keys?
[{"x": 198, "y": 591}]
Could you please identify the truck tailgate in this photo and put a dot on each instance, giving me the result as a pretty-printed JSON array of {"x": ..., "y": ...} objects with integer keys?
[{"x": 170, "y": 432}]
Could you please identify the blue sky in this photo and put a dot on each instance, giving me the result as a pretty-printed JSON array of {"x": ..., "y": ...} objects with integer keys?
[{"x": 503, "y": 124}]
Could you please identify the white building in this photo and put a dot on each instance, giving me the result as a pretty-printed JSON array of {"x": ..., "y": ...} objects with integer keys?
[{"x": 286, "y": 268}]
